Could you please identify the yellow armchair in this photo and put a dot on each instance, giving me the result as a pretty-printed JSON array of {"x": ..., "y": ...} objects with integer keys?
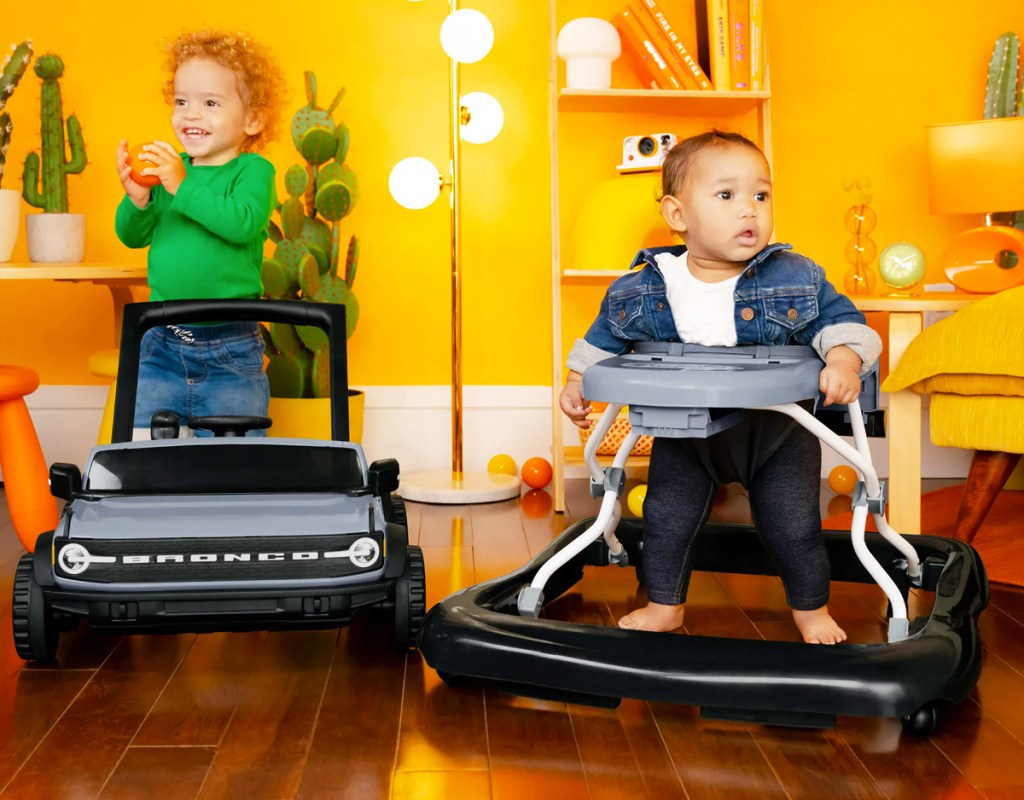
[{"x": 972, "y": 365}]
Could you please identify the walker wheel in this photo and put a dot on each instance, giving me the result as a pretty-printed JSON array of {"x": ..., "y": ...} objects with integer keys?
[{"x": 923, "y": 722}]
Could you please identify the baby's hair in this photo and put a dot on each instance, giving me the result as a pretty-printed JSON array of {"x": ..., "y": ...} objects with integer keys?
[
  {"x": 260, "y": 80},
  {"x": 680, "y": 158}
]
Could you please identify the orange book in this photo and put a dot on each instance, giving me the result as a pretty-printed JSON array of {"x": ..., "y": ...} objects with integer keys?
[
  {"x": 718, "y": 43},
  {"x": 739, "y": 44},
  {"x": 678, "y": 74},
  {"x": 757, "y": 52},
  {"x": 675, "y": 41},
  {"x": 650, "y": 64}
]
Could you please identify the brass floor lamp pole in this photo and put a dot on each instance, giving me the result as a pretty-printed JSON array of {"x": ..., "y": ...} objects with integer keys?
[{"x": 454, "y": 171}]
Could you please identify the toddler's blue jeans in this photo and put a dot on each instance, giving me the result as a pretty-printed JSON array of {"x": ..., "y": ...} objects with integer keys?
[
  {"x": 202, "y": 370},
  {"x": 779, "y": 462}
]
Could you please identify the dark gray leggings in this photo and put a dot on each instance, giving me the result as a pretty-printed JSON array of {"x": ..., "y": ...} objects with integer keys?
[{"x": 780, "y": 465}]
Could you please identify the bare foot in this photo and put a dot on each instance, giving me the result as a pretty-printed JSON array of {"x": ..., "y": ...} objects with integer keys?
[
  {"x": 818, "y": 627},
  {"x": 653, "y": 617}
]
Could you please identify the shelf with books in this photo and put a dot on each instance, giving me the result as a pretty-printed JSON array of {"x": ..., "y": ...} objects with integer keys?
[{"x": 599, "y": 216}]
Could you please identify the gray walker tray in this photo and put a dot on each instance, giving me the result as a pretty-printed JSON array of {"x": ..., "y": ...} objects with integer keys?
[{"x": 671, "y": 390}]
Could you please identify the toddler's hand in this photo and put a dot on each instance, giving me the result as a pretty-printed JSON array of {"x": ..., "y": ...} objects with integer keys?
[
  {"x": 839, "y": 382},
  {"x": 136, "y": 192},
  {"x": 169, "y": 167},
  {"x": 573, "y": 405}
]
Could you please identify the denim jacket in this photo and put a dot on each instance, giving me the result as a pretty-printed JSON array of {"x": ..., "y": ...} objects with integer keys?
[{"x": 780, "y": 298}]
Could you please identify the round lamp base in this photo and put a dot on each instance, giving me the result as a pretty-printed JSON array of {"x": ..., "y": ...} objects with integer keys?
[
  {"x": 986, "y": 260},
  {"x": 440, "y": 486}
]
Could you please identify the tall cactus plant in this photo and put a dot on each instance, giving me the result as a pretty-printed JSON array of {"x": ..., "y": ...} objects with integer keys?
[
  {"x": 1004, "y": 97},
  {"x": 309, "y": 261},
  {"x": 48, "y": 189},
  {"x": 13, "y": 68}
]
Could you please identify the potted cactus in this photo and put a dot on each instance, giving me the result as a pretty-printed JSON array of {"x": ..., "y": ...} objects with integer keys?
[
  {"x": 54, "y": 235},
  {"x": 13, "y": 68},
  {"x": 310, "y": 261}
]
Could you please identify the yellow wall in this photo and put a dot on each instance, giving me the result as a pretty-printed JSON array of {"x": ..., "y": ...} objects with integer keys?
[
  {"x": 387, "y": 53},
  {"x": 853, "y": 85}
]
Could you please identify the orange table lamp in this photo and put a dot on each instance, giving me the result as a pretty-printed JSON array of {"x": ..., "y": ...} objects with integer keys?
[{"x": 978, "y": 167}]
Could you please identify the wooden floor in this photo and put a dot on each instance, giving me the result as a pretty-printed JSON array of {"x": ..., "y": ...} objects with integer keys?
[{"x": 336, "y": 714}]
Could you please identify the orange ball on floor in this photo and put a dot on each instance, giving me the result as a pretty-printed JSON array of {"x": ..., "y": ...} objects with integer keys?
[
  {"x": 842, "y": 479},
  {"x": 536, "y": 472}
]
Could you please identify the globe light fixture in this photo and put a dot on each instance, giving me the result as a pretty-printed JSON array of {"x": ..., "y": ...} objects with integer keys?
[
  {"x": 467, "y": 36},
  {"x": 481, "y": 116},
  {"x": 414, "y": 182}
]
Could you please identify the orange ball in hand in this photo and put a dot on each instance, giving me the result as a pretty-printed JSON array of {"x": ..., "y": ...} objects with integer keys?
[
  {"x": 137, "y": 162},
  {"x": 536, "y": 472},
  {"x": 842, "y": 479}
]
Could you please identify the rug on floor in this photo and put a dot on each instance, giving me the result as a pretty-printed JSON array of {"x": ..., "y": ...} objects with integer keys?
[{"x": 1000, "y": 540}]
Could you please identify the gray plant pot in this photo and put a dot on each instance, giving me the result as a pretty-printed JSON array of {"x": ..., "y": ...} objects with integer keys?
[{"x": 55, "y": 237}]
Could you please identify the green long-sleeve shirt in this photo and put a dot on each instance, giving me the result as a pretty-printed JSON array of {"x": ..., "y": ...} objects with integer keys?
[{"x": 206, "y": 241}]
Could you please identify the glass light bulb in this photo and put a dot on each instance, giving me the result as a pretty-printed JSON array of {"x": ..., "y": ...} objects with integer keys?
[
  {"x": 414, "y": 182},
  {"x": 485, "y": 117},
  {"x": 467, "y": 35}
]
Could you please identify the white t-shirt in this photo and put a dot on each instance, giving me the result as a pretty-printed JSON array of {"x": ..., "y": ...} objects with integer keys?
[{"x": 703, "y": 312}]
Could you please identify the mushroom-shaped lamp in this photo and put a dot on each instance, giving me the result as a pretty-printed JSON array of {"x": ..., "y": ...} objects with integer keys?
[{"x": 588, "y": 45}]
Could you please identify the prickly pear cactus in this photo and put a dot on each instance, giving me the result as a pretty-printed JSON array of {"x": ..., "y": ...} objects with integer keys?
[
  {"x": 309, "y": 262},
  {"x": 11, "y": 71},
  {"x": 1005, "y": 98},
  {"x": 49, "y": 190}
]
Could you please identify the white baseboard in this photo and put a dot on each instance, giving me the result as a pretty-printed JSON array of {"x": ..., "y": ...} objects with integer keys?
[
  {"x": 410, "y": 423},
  {"x": 413, "y": 424}
]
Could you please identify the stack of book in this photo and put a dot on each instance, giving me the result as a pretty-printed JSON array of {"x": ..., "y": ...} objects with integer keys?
[{"x": 696, "y": 45}]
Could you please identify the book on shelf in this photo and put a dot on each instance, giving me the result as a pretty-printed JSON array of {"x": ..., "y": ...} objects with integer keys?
[
  {"x": 678, "y": 74},
  {"x": 739, "y": 44},
  {"x": 718, "y": 43},
  {"x": 649, "y": 63},
  {"x": 757, "y": 59},
  {"x": 673, "y": 32}
]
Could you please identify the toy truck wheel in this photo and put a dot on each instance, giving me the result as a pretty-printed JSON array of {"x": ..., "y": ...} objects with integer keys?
[
  {"x": 395, "y": 511},
  {"x": 410, "y": 600},
  {"x": 36, "y": 634}
]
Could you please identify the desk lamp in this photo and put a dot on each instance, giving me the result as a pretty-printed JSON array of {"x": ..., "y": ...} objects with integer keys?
[{"x": 978, "y": 167}]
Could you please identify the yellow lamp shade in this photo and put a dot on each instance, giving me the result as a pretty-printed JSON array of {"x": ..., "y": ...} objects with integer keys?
[{"x": 976, "y": 167}]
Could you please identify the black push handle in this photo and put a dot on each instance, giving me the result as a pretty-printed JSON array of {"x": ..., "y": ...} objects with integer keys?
[{"x": 140, "y": 317}]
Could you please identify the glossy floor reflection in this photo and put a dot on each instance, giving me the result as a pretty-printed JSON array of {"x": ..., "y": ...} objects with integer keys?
[{"x": 336, "y": 714}]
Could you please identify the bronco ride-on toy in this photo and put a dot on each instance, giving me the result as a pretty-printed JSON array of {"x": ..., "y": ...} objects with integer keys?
[{"x": 224, "y": 532}]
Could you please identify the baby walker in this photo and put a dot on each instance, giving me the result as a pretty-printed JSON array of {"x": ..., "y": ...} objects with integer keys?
[{"x": 492, "y": 631}]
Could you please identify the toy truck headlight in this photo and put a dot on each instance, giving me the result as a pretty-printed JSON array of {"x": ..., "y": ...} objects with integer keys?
[{"x": 364, "y": 552}]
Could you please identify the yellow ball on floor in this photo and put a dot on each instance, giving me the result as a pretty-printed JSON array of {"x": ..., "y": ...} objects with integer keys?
[
  {"x": 502, "y": 464},
  {"x": 635, "y": 499}
]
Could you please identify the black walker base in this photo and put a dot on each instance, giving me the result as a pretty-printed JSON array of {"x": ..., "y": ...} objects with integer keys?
[{"x": 478, "y": 633}]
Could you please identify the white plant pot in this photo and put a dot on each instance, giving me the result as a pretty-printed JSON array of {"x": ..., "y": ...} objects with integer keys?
[
  {"x": 10, "y": 219},
  {"x": 55, "y": 237}
]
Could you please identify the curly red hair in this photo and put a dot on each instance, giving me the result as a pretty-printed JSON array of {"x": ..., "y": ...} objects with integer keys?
[{"x": 260, "y": 80}]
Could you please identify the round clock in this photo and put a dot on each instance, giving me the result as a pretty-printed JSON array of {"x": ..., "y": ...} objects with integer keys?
[{"x": 901, "y": 265}]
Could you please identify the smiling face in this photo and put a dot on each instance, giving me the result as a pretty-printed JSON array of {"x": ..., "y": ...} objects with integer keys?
[
  {"x": 723, "y": 210},
  {"x": 211, "y": 118}
]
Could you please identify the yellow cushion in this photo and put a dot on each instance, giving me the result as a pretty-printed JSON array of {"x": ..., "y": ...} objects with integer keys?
[
  {"x": 977, "y": 350},
  {"x": 977, "y": 423}
]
